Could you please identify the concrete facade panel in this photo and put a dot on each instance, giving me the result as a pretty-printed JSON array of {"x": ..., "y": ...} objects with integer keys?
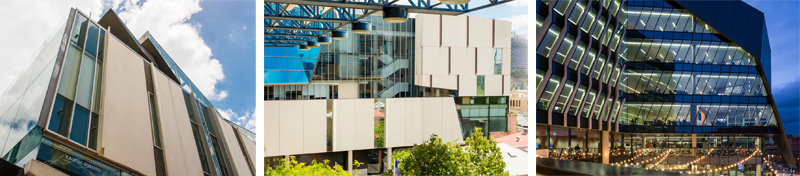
[
  {"x": 432, "y": 117},
  {"x": 494, "y": 85},
  {"x": 291, "y": 125},
  {"x": 178, "y": 144},
  {"x": 416, "y": 120},
  {"x": 272, "y": 128},
  {"x": 485, "y": 61},
  {"x": 364, "y": 123},
  {"x": 127, "y": 132},
  {"x": 506, "y": 61},
  {"x": 395, "y": 122},
  {"x": 409, "y": 117},
  {"x": 315, "y": 125},
  {"x": 454, "y": 31},
  {"x": 428, "y": 30},
  {"x": 467, "y": 85},
  {"x": 480, "y": 32},
  {"x": 348, "y": 90},
  {"x": 238, "y": 160},
  {"x": 432, "y": 60},
  {"x": 344, "y": 119},
  {"x": 502, "y": 34},
  {"x": 460, "y": 63}
]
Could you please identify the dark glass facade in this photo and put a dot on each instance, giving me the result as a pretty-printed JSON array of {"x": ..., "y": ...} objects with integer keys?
[{"x": 687, "y": 68}]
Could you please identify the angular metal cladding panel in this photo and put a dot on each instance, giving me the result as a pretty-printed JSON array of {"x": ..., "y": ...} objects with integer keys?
[
  {"x": 364, "y": 129},
  {"x": 454, "y": 30}
]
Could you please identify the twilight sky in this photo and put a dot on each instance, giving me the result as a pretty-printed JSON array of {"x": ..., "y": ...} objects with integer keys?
[{"x": 783, "y": 25}]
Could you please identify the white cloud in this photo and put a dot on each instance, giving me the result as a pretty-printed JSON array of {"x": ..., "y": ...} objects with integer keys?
[
  {"x": 26, "y": 26},
  {"x": 168, "y": 22},
  {"x": 246, "y": 120},
  {"x": 519, "y": 23},
  {"x": 518, "y": 3}
]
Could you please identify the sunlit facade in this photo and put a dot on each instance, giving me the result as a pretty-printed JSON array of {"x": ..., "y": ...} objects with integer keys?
[
  {"x": 97, "y": 101},
  {"x": 691, "y": 80},
  {"x": 366, "y": 96}
]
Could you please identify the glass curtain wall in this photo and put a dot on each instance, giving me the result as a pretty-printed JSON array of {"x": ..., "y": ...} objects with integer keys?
[
  {"x": 489, "y": 113},
  {"x": 72, "y": 115},
  {"x": 683, "y": 74},
  {"x": 380, "y": 62}
]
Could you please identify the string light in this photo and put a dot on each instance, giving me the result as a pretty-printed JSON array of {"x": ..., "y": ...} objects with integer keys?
[
  {"x": 725, "y": 167},
  {"x": 625, "y": 162},
  {"x": 659, "y": 161},
  {"x": 690, "y": 163}
]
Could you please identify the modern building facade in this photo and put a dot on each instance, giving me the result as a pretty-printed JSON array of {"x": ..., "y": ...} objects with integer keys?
[
  {"x": 365, "y": 96},
  {"x": 617, "y": 76},
  {"x": 98, "y": 101}
]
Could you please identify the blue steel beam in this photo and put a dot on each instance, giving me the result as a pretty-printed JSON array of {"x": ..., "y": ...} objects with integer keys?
[{"x": 311, "y": 18}]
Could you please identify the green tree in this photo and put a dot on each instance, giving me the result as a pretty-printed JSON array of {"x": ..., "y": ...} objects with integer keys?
[
  {"x": 301, "y": 168},
  {"x": 480, "y": 156},
  {"x": 380, "y": 138}
]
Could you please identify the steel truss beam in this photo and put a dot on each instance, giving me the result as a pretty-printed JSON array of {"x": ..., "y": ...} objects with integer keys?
[{"x": 312, "y": 18}]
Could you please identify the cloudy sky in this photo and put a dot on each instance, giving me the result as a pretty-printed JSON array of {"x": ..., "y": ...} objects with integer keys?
[
  {"x": 514, "y": 11},
  {"x": 212, "y": 41},
  {"x": 783, "y": 25}
]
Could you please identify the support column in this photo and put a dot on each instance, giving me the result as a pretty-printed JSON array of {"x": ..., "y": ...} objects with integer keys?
[
  {"x": 391, "y": 160},
  {"x": 350, "y": 161},
  {"x": 604, "y": 146},
  {"x": 758, "y": 169},
  {"x": 694, "y": 143},
  {"x": 287, "y": 157}
]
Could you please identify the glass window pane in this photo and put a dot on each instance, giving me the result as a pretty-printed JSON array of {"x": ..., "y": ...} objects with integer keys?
[
  {"x": 80, "y": 125},
  {"x": 91, "y": 40},
  {"x": 86, "y": 82},
  {"x": 69, "y": 72}
]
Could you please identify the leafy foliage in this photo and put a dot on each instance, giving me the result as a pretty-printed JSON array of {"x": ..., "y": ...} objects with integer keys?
[
  {"x": 380, "y": 138},
  {"x": 301, "y": 168},
  {"x": 480, "y": 156}
]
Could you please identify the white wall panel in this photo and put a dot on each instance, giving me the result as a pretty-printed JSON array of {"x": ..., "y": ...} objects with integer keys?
[
  {"x": 502, "y": 34},
  {"x": 460, "y": 64},
  {"x": 176, "y": 130},
  {"x": 432, "y": 61},
  {"x": 126, "y": 130},
  {"x": 344, "y": 119},
  {"x": 291, "y": 129},
  {"x": 494, "y": 84},
  {"x": 480, "y": 32},
  {"x": 507, "y": 86},
  {"x": 442, "y": 81},
  {"x": 485, "y": 61},
  {"x": 395, "y": 122},
  {"x": 315, "y": 126},
  {"x": 454, "y": 30},
  {"x": 467, "y": 85},
  {"x": 364, "y": 124},
  {"x": 271, "y": 127},
  {"x": 444, "y": 124},
  {"x": 453, "y": 82},
  {"x": 409, "y": 129},
  {"x": 427, "y": 30},
  {"x": 506, "y": 61},
  {"x": 348, "y": 90},
  {"x": 417, "y": 121},
  {"x": 432, "y": 117}
]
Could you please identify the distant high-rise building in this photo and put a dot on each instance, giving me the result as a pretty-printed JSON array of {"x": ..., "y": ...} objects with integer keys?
[{"x": 519, "y": 62}]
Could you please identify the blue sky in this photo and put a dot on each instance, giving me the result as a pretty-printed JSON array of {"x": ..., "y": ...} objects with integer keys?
[
  {"x": 783, "y": 25},
  {"x": 233, "y": 46},
  {"x": 212, "y": 42}
]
